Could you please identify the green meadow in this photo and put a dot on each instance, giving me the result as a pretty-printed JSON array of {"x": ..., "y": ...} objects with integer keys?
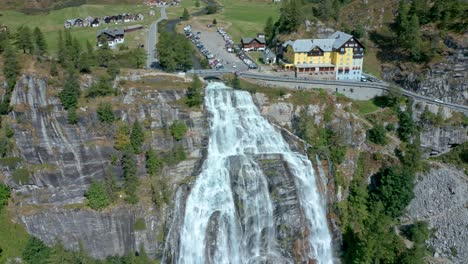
[{"x": 52, "y": 22}]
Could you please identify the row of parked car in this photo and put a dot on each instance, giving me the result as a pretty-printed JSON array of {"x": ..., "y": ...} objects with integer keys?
[
  {"x": 195, "y": 38},
  {"x": 231, "y": 48}
]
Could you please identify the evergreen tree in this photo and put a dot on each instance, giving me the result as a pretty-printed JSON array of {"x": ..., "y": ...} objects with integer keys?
[
  {"x": 197, "y": 3},
  {"x": 104, "y": 53},
  {"x": 235, "y": 83},
  {"x": 61, "y": 48},
  {"x": 122, "y": 138},
  {"x": 72, "y": 116},
  {"x": 5, "y": 193},
  {"x": 105, "y": 112},
  {"x": 113, "y": 70},
  {"x": 102, "y": 87},
  {"x": 130, "y": 177},
  {"x": 420, "y": 9},
  {"x": 71, "y": 91},
  {"x": 214, "y": 21},
  {"x": 84, "y": 63},
  {"x": 137, "y": 137},
  {"x": 185, "y": 15},
  {"x": 24, "y": 39},
  {"x": 59, "y": 255},
  {"x": 153, "y": 162},
  {"x": 194, "y": 97},
  {"x": 269, "y": 30},
  {"x": 97, "y": 196},
  {"x": 290, "y": 16},
  {"x": 39, "y": 41},
  {"x": 414, "y": 36},
  {"x": 139, "y": 57},
  {"x": 402, "y": 21},
  {"x": 35, "y": 252},
  {"x": 75, "y": 52}
]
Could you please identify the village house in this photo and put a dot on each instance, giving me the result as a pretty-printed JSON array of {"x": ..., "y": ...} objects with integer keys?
[
  {"x": 112, "y": 36},
  {"x": 338, "y": 57},
  {"x": 95, "y": 22},
  {"x": 257, "y": 43}
]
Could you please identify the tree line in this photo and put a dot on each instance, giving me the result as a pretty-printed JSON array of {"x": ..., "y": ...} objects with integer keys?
[{"x": 174, "y": 51}]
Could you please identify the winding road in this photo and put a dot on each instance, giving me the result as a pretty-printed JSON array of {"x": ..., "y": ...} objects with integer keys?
[
  {"x": 376, "y": 86},
  {"x": 152, "y": 40}
]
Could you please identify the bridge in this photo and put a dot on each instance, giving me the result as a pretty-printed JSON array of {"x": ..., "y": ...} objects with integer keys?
[{"x": 377, "y": 87}]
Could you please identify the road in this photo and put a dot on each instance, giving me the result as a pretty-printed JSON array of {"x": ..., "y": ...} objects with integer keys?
[
  {"x": 152, "y": 40},
  {"x": 339, "y": 85}
]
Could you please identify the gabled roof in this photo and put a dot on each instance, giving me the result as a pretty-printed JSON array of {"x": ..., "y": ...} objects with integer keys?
[
  {"x": 335, "y": 41},
  {"x": 258, "y": 39},
  {"x": 340, "y": 38},
  {"x": 71, "y": 21},
  {"x": 111, "y": 32}
]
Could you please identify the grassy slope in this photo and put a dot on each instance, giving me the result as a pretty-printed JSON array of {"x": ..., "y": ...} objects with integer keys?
[
  {"x": 52, "y": 22},
  {"x": 13, "y": 237}
]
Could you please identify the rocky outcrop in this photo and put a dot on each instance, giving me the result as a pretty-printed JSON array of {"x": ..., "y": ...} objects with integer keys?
[
  {"x": 438, "y": 139},
  {"x": 446, "y": 80},
  {"x": 441, "y": 200},
  {"x": 63, "y": 159}
]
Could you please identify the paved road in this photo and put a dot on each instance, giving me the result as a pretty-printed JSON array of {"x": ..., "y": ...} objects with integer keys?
[
  {"x": 153, "y": 39},
  {"x": 373, "y": 88}
]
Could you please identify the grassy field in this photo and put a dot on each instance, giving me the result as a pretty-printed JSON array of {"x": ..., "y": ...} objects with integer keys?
[
  {"x": 365, "y": 107},
  {"x": 247, "y": 17},
  {"x": 52, "y": 22},
  {"x": 13, "y": 237}
]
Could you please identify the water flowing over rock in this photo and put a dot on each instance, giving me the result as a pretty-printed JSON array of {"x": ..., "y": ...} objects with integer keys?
[{"x": 255, "y": 200}]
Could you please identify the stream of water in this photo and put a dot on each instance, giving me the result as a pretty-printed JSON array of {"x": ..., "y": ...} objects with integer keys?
[{"x": 237, "y": 129}]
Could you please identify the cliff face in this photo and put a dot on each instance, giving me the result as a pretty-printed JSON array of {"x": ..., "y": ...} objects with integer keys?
[
  {"x": 63, "y": 159},
  {"x": 445, "y": 80}
]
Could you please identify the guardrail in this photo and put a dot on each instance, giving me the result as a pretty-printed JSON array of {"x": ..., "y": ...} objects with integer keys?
[{"x": 371, "y": 85}]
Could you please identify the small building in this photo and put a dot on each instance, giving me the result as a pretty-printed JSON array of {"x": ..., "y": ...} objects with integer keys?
[
  {"x": 133, "y": 28},
  {"x": 69, "y": 23},
  {"x": 269, "y": 57},
  {"x": 95, "y": 23},
  {"x": 78, "y": 22},
  {"x": 113, "y": 36},
  {"x": 257, "y": 43},
  {"x": 139, "y": 16},
  {"x": 152, "y": 13}
]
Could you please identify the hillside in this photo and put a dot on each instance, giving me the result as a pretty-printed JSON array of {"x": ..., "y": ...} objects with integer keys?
[{"x": 34, "y": 6}]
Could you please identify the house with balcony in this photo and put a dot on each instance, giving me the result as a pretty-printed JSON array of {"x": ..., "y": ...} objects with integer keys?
[
  {"x": 113, "y": 37},
  {"x": 257, "y": 43},
  {"x": 338, "y": 57}
]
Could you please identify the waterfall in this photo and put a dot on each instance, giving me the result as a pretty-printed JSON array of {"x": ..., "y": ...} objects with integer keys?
[{"x": 213, "y": 231}]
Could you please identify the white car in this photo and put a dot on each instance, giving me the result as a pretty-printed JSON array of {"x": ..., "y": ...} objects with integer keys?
[{"x": 234, "y": 65}]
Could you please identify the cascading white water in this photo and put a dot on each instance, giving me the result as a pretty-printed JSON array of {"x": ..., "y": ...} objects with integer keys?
[{"x": 238, "y": 130}]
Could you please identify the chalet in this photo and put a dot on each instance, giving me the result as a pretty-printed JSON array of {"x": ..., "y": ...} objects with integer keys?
[
  {"x": 113, "y": 36},
  {"x": 139, "y": 16},
  {"x": 69, "y": 23},
  {"x": 87, "y": 21},
  {"x": 78, "y": 22},
  {"x": 95, "y": 23},
  {"x": 257, "y": 43},
  {"x": 338, "y": 57}
]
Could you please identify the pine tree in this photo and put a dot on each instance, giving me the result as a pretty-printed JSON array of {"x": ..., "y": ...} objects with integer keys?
[
  {"x": 130, "y": 177},
  {"x": 97, "y": 196},
  {"x": 24, "y": 39},
  {"x": 72, "y": 116},
  {"x": 139, "y": 57},
  {"x": 71, "y": 91},
  {"x": 402, "y": 22},
  {"x": 214, "y": 21},
  {"x": 197, "y": 3},
  {"x": 235, "y": 83},
  {"x": 105, "y": 112},
  {"x": 194, "y": 97},
  {"x": 414, "y": 36},
  {"x": 269, "y": 30},
  {"x": 102, "y": 87},
  {"x": 185, "y": 15},
  {"x": 153, "y": 162},
  {"x": 104, "y": 53},
  {"x": 39, "y": 41},
  {"x": 137, "y": 137}
]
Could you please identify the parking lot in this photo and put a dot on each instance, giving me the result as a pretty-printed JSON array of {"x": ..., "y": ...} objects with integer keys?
[{"x": 213, "y": 43}]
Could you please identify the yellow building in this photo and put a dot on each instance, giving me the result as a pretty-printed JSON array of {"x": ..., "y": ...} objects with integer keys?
[{"x": 338, "y": 57}]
